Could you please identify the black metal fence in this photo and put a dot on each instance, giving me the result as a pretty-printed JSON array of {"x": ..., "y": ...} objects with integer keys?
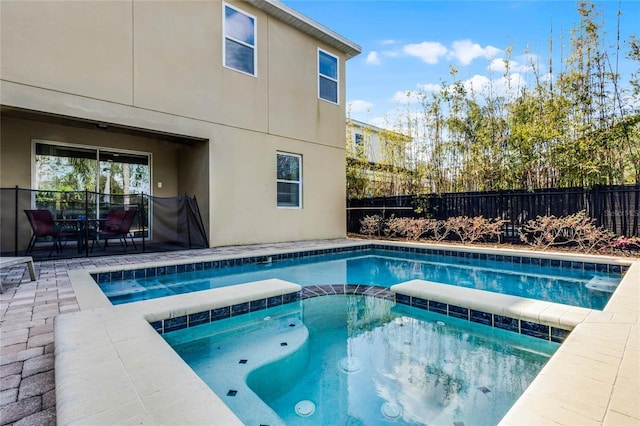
[
  {"x": 78, "y": 220},
  {"x": 616, "y": 208}
]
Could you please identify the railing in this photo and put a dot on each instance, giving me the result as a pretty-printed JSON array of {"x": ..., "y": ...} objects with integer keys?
[
  {"x": 159, "y": 223},
  {"x": 616, "y": 208}
]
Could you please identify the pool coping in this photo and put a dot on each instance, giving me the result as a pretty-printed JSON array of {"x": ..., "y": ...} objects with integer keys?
[{"x": 124, "y": 338}]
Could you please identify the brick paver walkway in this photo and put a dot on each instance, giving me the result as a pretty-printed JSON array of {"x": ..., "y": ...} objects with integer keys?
[{"x": 27, "y": 311}]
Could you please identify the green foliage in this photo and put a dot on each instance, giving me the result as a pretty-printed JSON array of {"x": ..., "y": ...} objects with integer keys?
[{"x": 578, "y": 127}]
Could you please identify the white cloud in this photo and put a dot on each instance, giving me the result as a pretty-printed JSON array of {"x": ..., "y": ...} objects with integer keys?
[
  {"x": 387, "y": 42},
  {"x": 466, "y": 51},
  {"x": 373, "y": 58},
  {"x": 429, "y": 51},
  {"x": 359, "y": 106},
  {"x": 503, "y": 86},
  {"x": 407, "y": 97},
  {"x": 500, "y": 65},
  {"x": 430, "y": 87}
]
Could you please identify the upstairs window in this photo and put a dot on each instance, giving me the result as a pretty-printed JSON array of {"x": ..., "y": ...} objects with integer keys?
[
  {"x": 239, "y": 41},
  {"x": 289, "y": 180},
  {"x": 327, "y": 76}
]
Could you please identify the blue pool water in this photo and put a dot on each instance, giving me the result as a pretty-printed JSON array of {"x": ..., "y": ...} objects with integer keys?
[
  {"x": 355, "y": 360},
  {"x": 577, "y": 287}
]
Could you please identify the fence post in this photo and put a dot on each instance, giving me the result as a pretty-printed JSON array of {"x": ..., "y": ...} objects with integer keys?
[
  {"x": 15, "y": 225},
  {"x": 86, "y": 223},
  {"x": 142, "y": 221}
]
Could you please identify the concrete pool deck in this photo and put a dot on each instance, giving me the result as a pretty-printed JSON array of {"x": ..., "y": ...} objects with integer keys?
[{"x": 594, "y": 378}]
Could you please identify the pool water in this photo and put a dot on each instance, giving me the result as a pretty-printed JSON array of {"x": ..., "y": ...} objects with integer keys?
[
  {"x": 576, "y": 287},
  {"x": 361, "y": 360}
]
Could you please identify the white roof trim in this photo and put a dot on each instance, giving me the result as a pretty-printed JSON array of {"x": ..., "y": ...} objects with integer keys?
[{"x": 307, "y": 25}]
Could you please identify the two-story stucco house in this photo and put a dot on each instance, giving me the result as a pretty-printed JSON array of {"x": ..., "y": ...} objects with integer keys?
[{"x": 240, "y": 103}]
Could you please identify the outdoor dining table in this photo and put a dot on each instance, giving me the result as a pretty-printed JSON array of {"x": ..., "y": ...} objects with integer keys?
[{"x": 80, "y": 226}]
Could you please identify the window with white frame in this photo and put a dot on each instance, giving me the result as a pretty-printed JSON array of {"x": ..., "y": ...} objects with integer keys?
[
  {"x": 327, "y": 76},
  {"x": 239, "y": 40},
  {"x": 289, "y": 180}
]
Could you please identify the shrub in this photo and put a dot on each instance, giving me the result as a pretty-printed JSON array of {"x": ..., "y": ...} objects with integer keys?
[
  {"x": 470, "y": 229},
  {"x": 576, "y": 229},
  {"x": 371, "y": 225}
]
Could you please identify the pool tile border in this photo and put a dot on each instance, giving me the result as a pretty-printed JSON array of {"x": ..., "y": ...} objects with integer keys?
[
  {"x": 528, "y": 328},
  {"x": 150, "y": 272},
  {"x": 520, "y": 326},
  {"x": 203, "y": 317}
]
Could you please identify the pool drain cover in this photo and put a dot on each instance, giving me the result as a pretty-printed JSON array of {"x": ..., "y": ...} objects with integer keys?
[
  {"x": 390, "y": 410},
  {"x": 350, "y": 364},
  {"x": 305, "y": 408}
]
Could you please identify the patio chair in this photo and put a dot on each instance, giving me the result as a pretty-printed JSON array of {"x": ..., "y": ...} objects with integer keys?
[
  {"x": 117, "y": 225},
  {"x": 43, "y": 225}
]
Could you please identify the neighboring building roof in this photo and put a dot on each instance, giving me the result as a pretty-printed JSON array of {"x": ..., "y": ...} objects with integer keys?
[
  {"x": 307, "y": 25},
  {"x": 374, "y": 129}
]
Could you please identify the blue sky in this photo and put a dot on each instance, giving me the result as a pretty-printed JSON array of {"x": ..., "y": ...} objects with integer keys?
[{"x": 410, "y": 45}]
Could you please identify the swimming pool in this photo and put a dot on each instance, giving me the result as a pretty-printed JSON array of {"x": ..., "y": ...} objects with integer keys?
[
  {"x": 588, "y": 285},
  {"x": 360, "y": 360}
]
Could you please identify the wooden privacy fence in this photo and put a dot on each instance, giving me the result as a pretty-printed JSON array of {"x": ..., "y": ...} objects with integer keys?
[{"x": 616, "y": 208}]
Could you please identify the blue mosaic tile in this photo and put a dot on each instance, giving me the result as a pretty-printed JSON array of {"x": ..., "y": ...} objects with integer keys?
[
  {"x": 491, "y": 258},
  {"x": 566, "y": 264},
  {"x": 189, "y": 267},
  {"x": 160, "y": 271},
  {"x": 500, "y": 258},
  {"x": 116, "y": 275},
  {"x": 128, "y": 274},
  {"x": 290, "y": 297},
  {"x": 506, "y": 323},
  {"x": 140, "y": 273},
  {"x": 533, "y": 329},
  {"x": 350, "y": 289},
  {"x": 615, "y": 268},
  {"x": 577, "y": 265},
  {"x": 174, "y": 324},
  {"x": 172, "y": 269},
  {"x": 199, "y": 318},
  {"x": 274, "y": 301},
  {"x": 151, "y": 272},
  {"x": 558, "y": 335},
  {"x": 420, "y": 303},
  {"x": 180, "y": 269},
  {"x": 545, "y": 262},
  {"x": 403, "y": 299},
  {"x": 200, "y": 266},
  {"x": 481, "y": 317},
  {"x": 535, "y": 261},
  {"x": 239, "y": 309},
  {"x": 157, "y": 326},
  {"x": 257, "y": 305},
  {"x": 458, "y": 312},
  {"x": 526, "y": 261},
  {"x": 555, "y": 263},
  {"x": 104, "y": 277},
  {"x": 220, "y": 313},
  {"x": 601, "y": 267},
  {"x": 438, "y": 307},
  {"x": 589, "y": 266}
]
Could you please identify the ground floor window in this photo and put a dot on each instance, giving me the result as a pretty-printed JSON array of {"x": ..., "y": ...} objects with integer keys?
[{"x": 289, "y": 180}]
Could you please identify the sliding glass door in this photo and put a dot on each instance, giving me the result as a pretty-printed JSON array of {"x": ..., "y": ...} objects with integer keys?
[{"x": 75, "y": 168}]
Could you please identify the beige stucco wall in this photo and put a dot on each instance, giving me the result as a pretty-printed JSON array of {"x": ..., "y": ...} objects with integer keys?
[{"x": 157, "y": 66}]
